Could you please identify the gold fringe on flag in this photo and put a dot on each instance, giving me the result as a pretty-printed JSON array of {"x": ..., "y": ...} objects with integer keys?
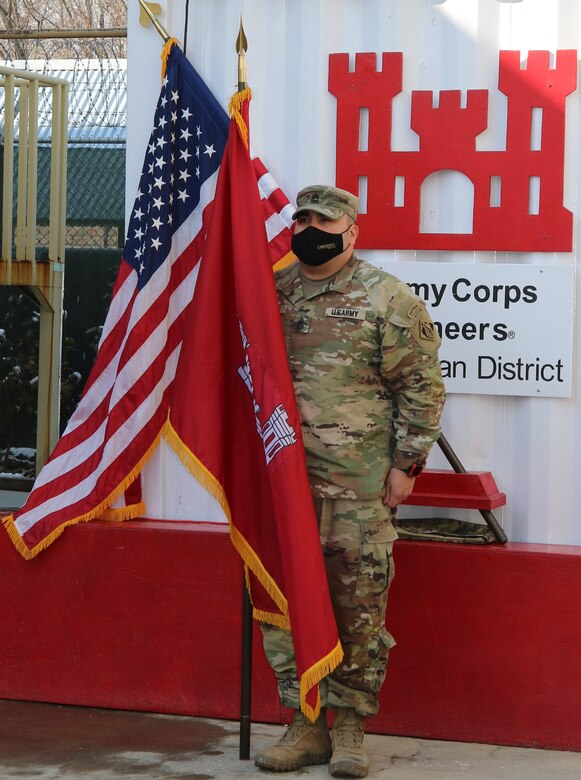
[
  {"x": 284, "y": 262},
  {"x": 101, "y": 511},
  {"x": 324, "y": 666},
  {"x": 249, "y": 557},
  {"x": 235, "y": 111},
  {"x": 280, "y": 621},
  {"x": 121, "y": 513},
  {"x": 165, "y": 54},
  {"x": 313, "y": 676}
]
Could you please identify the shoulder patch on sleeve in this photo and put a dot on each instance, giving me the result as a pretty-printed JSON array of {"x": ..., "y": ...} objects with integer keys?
[
  {"x": 426, "y": 330},
  {"x": 424, "y": 335},
  {"x": 410, "y": 314},
  {"x": 407, "y": 308}
]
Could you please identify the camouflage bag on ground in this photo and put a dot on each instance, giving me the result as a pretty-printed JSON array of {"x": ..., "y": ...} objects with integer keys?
[{"x": 444, "y": 529}]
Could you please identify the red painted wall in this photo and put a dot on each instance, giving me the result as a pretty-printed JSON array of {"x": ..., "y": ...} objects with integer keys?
[{"x": 146, "y": 616}]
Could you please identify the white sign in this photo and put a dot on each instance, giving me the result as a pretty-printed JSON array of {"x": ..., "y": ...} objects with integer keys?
[{"x": 506, "y": 329}]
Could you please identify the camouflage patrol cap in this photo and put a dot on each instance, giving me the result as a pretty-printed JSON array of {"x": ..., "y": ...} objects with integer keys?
[{"x": 329, "y": 201}]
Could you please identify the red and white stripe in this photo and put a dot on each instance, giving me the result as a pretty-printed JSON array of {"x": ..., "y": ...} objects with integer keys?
[{"x": 126, "y": 399}]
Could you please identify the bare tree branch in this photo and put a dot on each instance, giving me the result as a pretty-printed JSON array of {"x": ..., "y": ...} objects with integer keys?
[{"x": 19, "y": 15}]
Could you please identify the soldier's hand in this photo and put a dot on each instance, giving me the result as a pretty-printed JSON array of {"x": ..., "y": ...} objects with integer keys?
[{"x": 398, "y": 486}]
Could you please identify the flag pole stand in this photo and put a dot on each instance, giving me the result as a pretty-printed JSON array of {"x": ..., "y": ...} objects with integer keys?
[{"x": 246, "y": 675}]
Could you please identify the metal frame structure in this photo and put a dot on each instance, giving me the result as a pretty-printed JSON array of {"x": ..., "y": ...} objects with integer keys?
[{"x": 43, "y": 281}]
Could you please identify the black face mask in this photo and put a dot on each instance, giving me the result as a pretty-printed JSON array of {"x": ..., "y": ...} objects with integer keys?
[{"x": 314, "y": 246}]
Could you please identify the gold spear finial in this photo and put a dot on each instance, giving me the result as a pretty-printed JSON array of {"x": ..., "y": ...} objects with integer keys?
[
  {"x": 148, "y": 11},
  {"x": 241, "y": 49}
]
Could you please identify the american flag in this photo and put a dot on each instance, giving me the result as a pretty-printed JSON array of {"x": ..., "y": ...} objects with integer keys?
[{"x": 125, "y": 404}]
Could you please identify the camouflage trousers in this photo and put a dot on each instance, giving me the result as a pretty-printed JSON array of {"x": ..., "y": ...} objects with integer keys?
[{"x": 357, "y": 539}]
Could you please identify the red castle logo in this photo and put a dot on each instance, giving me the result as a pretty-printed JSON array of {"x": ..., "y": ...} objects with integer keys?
[{"x": 517, "y": 192}]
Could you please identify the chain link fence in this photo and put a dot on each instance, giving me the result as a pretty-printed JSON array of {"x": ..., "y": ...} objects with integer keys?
[{"x": 96, "y": 69}]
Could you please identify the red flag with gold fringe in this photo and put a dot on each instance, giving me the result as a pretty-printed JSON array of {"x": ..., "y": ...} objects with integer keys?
[{"x": 238, "y": 429}]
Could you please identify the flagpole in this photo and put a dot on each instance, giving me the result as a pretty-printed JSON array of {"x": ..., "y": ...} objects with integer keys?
[
  {"x": 246, "y": 660},
  {"x": 246, "y": 674},
  {"x": 161, "y": 30}
]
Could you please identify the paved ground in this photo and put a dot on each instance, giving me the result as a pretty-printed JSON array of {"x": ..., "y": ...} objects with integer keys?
[{"x": 46, "y": 742}]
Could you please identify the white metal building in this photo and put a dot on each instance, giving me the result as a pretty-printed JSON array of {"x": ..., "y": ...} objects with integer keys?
[{"x": 530, "y": 442}]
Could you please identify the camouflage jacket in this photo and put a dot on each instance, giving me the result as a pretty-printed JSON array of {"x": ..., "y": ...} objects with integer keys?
[{"x": 363, "y": 355}]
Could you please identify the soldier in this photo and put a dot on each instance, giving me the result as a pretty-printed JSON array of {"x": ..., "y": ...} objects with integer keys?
[{"x": 363, "y": 355}]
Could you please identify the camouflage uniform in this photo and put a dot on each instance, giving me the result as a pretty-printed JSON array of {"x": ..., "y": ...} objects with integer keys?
[
  {"x": 357, "y": 539},
  {"x": 363, "y": 356}
]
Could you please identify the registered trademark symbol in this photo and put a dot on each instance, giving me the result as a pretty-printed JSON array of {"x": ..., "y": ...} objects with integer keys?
[{"x": 511, "y": 334}]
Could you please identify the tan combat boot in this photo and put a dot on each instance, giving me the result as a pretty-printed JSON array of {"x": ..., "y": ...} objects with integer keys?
[
  {"x": 349, "y": 758},
  {"x": 304, "y": 743}
]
